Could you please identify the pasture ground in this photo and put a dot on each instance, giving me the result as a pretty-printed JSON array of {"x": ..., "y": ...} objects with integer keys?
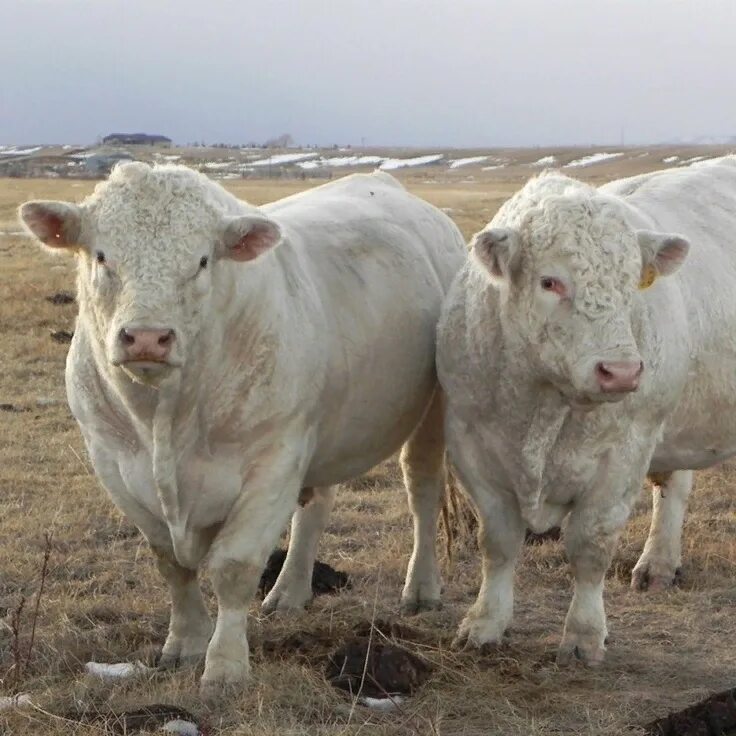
[{"x": 104, "y": 600}]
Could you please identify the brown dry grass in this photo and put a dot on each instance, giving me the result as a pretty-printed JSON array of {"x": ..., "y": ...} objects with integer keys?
[{"x": 104, "y": 600}]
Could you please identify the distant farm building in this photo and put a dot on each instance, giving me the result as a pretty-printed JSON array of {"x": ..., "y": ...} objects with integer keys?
[{"x": 136, "y": 139}]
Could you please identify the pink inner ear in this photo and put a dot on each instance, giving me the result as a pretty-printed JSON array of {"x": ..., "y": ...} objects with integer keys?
[
  {"x": 671, "y": 255},
  {"x": 256, "y": 241},
  {"x": 47, "y": 226}
]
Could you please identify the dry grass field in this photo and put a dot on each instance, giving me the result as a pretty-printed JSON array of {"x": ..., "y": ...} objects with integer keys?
[{"x": 104, "y": 601}]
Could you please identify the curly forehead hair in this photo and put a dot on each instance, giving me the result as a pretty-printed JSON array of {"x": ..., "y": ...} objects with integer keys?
[
  {"x": 592, "y": 235},
  {"x": 154, "y": 190}
]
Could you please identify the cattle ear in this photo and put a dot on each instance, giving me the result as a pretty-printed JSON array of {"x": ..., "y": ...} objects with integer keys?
[
  {"x": 497, "y": 249},
  {"x": 245, "y": 237},
  {"x": 56, "y": 224},
  {"x": 661, "y": 254}
]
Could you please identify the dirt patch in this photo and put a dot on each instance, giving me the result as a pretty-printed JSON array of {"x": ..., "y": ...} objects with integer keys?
[
  {"x": 714, "y": 716},
  {"x": 376, "y": 669},
  {"x": 150, "y": 719},
  {"x": 551, "y": 535},
  {"x": 61, "y": 297},
  {"x": 13, "y": 408},
  {"x": 62, "y": 336},
  {"x": 400, "y": 632},
  {"x": 310, "y": 647},
  {"x": 325, "y": 579}
]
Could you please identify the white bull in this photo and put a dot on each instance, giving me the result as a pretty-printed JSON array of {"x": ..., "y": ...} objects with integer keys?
[
  {"x": 227, "y": 357},
  {"x": 571, "y": 370}
]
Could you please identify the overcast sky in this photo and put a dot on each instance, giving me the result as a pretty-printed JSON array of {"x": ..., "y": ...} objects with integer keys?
[{"x": 393, "y": 72}]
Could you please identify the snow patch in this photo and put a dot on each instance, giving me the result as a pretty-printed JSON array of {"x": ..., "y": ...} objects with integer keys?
[
  {"x": 15, "y": 151},
  {"x": 182, "y": 728},
  {"x": 399, "y": 163},
  {"x": 217, "y": 165},
  {"x": 495, "y": 166},
  {"x": 117, "y": 670},
  {"x": 338, "y": 161},
  {"x": 458, "y": 162},
  {"x": 10, "y": 702},
  {"x": 670, "y": 159},
  {"x": 383, "y": 704},
  {"x": 544, "y": 161},
  {"x": 594, "y": 158},
  {"x": 283, "y": 158}
]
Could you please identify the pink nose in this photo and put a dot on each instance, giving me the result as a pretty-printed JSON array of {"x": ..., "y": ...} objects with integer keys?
[
  {"x": 618, "y": 376},
  {"x": 142, "y": 344}
]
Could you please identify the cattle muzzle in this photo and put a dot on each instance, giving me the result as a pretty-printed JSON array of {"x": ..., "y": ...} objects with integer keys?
[
  {"x": 618, "y": 376},
  {"x": 146, "y": 344}
]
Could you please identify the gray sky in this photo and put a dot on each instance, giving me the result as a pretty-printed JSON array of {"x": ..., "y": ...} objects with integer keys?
[{"x": 395, "y": 72}]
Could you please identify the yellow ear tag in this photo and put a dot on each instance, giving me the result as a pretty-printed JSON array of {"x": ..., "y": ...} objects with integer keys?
[{"x": 648, "y": 277}]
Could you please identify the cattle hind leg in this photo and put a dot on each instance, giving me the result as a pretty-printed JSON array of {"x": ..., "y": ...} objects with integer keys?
[
  {"x": 190, "y": 626},
  {"x": 661, "y": 559},
  {"x": 422, "y": 463},
  {"x": 293, "y": 588}
]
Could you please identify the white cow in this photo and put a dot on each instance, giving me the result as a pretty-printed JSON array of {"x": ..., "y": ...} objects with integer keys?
[
  {"x": 226, "y": 358},
  {"x": 571, "y": 370}
]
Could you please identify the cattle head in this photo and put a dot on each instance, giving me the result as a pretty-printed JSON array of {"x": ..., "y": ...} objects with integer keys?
[
  {"x": 569, "y": 273},
  {"x": 150, "y": 242}
]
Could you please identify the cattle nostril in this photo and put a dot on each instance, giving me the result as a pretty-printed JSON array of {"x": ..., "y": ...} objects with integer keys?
[
  {"x": 125, "y": 337},
  {"x": 603, "y": 372},
  {"x": 618, "y": 375},
  {"x": 166, "y": 338}
]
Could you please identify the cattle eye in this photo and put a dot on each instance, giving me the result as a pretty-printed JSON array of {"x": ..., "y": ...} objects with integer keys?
[
  {"x": 550, "y": 283},
  {"x": 100, "y": 257},
  {"x": 203, "y": 261}
]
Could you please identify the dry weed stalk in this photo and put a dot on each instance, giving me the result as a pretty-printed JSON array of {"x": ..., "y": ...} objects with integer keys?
[{"x": 20, "y": 665}]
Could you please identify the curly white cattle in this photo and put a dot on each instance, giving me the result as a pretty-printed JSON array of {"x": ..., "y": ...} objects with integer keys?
[
  {"x": 227, "y": 357},
  {"x": 574, "y": 363}
]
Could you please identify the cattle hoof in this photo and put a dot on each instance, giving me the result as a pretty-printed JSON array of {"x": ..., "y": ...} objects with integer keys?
[
  {"x": 168, "y": 662},
  {"x": 591, "y": 656},
  {"x": 283, "y": 603},
  {"x": 644, "y": 579},
  {"x": 173, "y": 662},
  {"x": 479, "y": 633},
  {"x": 413, "y": 607},
  {"x": 185, "y": 651},
  {"x": 226, "y": 681},
  {"x": 460, "y": 642}
]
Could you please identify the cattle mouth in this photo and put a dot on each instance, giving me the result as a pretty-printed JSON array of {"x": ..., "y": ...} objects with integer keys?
[
  {"x": 592, "y": 401},
  {"x": 147, "y": 370},
  {"x": 145, "y": 360}
]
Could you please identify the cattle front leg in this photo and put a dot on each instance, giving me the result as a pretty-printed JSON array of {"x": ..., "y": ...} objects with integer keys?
[
  {"x": 293, "y": 588},
  {"x": 237, "y": 558},
  {"x": 190, "y": 626},
  {"x": 661, "y": 559},
  {"x": 589, "y": 540},
  {"x": 500, "y": 536},
  {"x": 423, "y": 466}
]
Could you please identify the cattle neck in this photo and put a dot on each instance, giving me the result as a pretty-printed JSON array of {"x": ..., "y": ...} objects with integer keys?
[{"x": 539, "y": 413}]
